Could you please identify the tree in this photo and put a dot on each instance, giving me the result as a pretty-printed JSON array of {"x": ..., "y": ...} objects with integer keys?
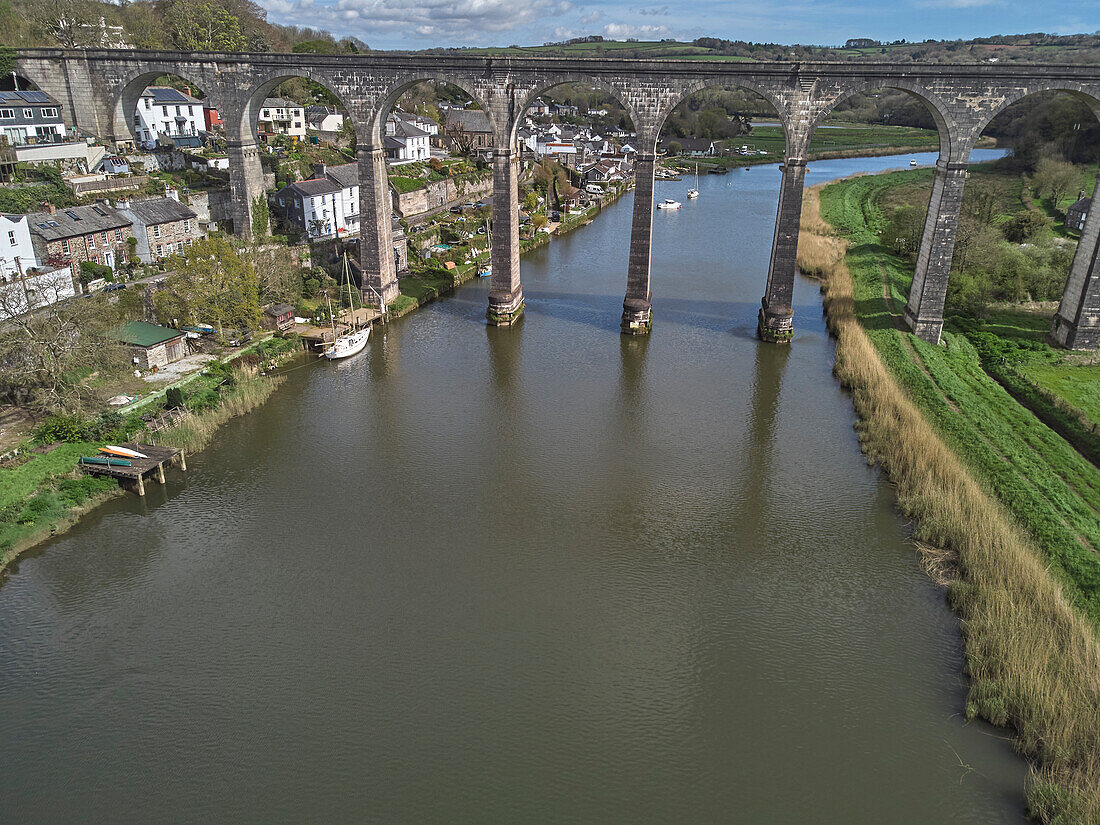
[
  {"x": 63, "y": 21},
  {"x": 675, "y": 147},
  {"x": 1055, "y": 178},
  {"x": 203, "y": 26},
  {"x": 47, "y": 352},
  {"x": 904, "y": 230},
  {"x": 261, "y": 216},
  {"x": 214, "y": 285}
]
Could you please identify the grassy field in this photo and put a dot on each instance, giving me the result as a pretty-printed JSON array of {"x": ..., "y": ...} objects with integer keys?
[{"x": 983, "y": 480}]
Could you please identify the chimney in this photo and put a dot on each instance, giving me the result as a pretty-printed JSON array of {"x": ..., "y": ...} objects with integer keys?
[
  {"x": 1081, "y": 195},
  {"x": 319, "y": 171},
  {"x": 49, "y": 207},
  {"x": 122, "y": 203},
  {"x": 171, "y": 193},
  {"x": 103, "y": 202}
]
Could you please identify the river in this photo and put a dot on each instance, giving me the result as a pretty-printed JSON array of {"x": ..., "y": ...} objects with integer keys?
[{"x": 543, "y": 574}]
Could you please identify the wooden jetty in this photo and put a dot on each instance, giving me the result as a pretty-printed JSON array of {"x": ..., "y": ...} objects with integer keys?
[
  {"x": 319, "y": 337},
  {"x": 133, "y": 477}
]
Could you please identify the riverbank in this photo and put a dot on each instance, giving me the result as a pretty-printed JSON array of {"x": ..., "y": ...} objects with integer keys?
[
  {"x": 43, "y": 495},
  {"x": 57, "y": 498},
  {"x": 1032, "y": 656}
]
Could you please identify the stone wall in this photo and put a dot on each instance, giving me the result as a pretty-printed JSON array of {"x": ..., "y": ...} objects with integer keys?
[{"x": 439, "y": 194}]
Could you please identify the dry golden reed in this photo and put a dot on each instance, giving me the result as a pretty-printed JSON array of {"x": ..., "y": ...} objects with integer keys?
[{"x": 1033, "y": 660}]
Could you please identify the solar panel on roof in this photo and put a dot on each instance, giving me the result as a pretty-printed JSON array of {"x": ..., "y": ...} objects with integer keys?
[
  {"x": 169, "y": 95},
  {"x": 35, "y": 97}
]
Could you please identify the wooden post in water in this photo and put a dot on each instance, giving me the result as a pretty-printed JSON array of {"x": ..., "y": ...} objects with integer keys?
[
  {"x": 160, "y": 473},
  {"x": 141, "y": 485},
  {"x": 183, "y": 462}
]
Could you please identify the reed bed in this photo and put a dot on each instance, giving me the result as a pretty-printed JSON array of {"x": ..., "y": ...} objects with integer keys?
[
  {"x": 1033, "y": 659},
  {"x": 194, "y": 430}
]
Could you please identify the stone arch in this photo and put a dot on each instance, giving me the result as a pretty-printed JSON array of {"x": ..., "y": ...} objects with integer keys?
[
  {"x": 374, "y": 130},
  {"x": 126, "y": 101},
  {"x": 543, "y": 87},
  {"x": 1091, "y": 98},
  {"x": 242, "y": 125},
  {"x": 716, "y": 81},
  {"x": 951, "y": 143}
]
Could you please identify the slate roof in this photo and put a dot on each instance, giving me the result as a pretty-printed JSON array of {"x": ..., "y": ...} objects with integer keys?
[
  {"x": 143, "y": 334},
  {"x": 337, "y": 178},
  {"x": 469, "y": 120},
  {"x": 165, "y": 94},
  {"x": 75, "y": 221},
  {"x": 346, "y": 174},
  {"x": 1081, "y": 205},
  {"x": 275, "y": 310},
  {"x": 161, "y": 210},
  {"x": 281, "y": 103}
]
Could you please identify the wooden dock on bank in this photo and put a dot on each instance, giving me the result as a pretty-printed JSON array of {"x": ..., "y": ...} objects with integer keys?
[
  {"x": 133, "y": 477},
  {"x": 318, "y": 337}
]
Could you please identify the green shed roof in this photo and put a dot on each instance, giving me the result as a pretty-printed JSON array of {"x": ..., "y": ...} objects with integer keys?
[{"x": 142, "y": 334}]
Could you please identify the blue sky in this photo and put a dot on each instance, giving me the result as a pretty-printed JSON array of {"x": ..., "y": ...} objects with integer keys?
[{"x": 417, "y": 24}]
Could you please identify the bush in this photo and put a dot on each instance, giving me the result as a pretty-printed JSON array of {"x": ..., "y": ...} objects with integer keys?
[
  {"x": 1022, "y": 226},
  {"x": 173, "y": 398},
  {"x": 90, "y": 271}
]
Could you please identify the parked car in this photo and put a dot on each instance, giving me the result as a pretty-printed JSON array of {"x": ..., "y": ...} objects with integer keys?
[
  {"x": 555, "y": 216},
  {"x": 114, "y": 287},
  {"x": 240, "y": 338},
  {"x": 457, "y": 210}
]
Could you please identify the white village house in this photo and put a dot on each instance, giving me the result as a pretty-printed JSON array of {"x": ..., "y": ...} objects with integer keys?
[
  {"x": 404, "y": 141},
  {"x": 23, "y": 285},
  {"x": 163, "y": 112},
  {"x": 326, "y": 205},
  {"x": 284, "y": 117}
]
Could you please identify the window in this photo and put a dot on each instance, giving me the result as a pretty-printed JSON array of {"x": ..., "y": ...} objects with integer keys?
[
  {"x": 72, "y": 214},
  {"x": 49, "y": 113},
  {"x": 11, "y": 238},
  {"x": 91, "y": 241},
  {"x": 65, "y": 246},
  {"x": 179, "y": 247},
  {"x": 160, "y": 250},
  {"x": 137, "y": 119},
  {"x": 187, "y": 226},
  {"x": 28, "y": 114},
  {"x": 103, "y": 235},
  {"x": 118, "y": 235},
  {"x": 156, "y": 231},
  {"x": 7, "y": 114}
]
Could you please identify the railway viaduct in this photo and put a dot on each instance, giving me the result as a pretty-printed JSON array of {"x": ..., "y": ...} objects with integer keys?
[{"x": 100, "y": 90}]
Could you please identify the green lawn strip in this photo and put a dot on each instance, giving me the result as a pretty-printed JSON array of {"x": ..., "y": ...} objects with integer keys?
[
  {"x": 1079, "y": 385},
  {"x": 849, "y": 206},
  {"x": 1037, "y": 461}
]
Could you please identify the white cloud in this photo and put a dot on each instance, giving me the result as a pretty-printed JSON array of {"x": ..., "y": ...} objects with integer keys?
[
  {"x": 444, "y": 20},
  {"x": 622, "y": 31}
]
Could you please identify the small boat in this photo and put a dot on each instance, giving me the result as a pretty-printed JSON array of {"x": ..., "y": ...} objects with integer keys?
[
  {"x": 106, "y": 461},
  {"x": 693, "y": 193},
  {"x": 669, "y": 203},
  {"x": 123, "y": 452},
  {"x": 912, "y": 163}
]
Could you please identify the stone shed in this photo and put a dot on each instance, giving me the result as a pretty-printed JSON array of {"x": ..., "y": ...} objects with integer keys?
[{"x": 152, "y": 346}]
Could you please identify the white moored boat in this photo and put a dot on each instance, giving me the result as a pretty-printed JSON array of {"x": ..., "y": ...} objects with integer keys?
[
  {"x": 693, "y": 193},
  {"x": 669, "y": 203},
  {"x": 348, "y": 345}
]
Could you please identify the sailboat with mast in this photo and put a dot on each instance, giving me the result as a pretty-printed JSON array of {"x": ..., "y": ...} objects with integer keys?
[
  {"x": 350, "y": 343},
  {"x": 693, "y": 193},
  {"x": 487, "y": 272}
]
